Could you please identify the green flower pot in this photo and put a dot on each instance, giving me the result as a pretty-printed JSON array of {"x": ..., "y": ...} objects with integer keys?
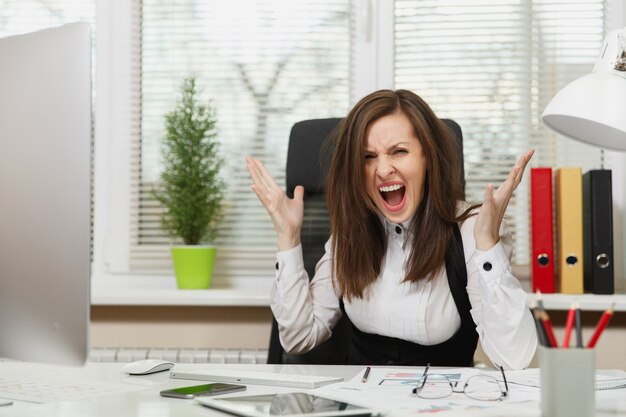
[{"x": 193, "y": 266}]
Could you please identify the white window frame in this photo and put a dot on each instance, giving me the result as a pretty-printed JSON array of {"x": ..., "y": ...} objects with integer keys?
[
  {"x": 372, "y": 69},
  {"x": 112, "y": 133},
  {"x": 372, "y": 66}
]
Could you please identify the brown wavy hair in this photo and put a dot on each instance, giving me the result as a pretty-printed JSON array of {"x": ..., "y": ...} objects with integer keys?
[{"x": 359, "y": 241}]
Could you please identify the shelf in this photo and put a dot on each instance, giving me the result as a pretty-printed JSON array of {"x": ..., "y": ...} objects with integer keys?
[{"x": 587, "y": 302}]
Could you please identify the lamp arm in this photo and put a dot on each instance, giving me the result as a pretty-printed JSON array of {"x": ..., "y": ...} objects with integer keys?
[
  {"x": 620, "y": 62},
  {"x": 613, "y": 53}
]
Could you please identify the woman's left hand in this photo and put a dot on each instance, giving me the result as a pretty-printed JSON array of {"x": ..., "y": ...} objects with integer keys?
[{"x": 487, "y": 227}]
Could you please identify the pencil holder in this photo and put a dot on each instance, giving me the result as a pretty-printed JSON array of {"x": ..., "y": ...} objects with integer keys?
[{"x": 567, "y": 382}]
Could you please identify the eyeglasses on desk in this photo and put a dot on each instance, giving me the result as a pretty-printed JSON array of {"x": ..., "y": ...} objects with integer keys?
[{"x": 477, "y": 387}]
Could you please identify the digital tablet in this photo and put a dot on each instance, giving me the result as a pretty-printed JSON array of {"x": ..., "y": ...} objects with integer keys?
[{"x": 294, "y": 404}]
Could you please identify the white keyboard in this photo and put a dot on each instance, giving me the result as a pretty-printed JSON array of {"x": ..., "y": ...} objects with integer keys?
[
  {"x": 256, "y": 378},
  {"x": 41, "y": 389}
]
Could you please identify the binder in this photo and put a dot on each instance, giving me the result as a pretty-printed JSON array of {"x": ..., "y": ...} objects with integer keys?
[
  {"x": 542, "y": 234},
  {"x": 598, "y": 232},
  {"x": 569, "y": 220}
]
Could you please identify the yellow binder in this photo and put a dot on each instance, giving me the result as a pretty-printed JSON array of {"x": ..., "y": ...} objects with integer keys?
[{"x": 569, "y": 220}]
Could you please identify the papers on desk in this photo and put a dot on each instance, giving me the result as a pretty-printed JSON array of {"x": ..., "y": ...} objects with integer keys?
[
  {"x": 388, "y": 390},
  {"x": 605, "y": 380},
  {"x": 392, "y": 387}
]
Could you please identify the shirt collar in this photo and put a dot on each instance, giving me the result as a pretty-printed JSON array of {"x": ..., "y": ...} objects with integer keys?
[{"x": 391, "y": 227}]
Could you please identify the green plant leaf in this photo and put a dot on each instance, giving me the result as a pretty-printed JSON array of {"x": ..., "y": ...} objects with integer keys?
[{"x": 191, "y": 189}]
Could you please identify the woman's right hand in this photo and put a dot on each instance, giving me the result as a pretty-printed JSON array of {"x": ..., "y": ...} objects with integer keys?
[{"x": 287, "y": 213}]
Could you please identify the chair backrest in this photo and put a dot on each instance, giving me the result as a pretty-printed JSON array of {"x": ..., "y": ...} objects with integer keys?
[{"x": 307, "y": 163}]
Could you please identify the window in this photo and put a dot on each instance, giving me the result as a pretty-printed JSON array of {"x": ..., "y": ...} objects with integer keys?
[
  {"x": 493, "y": 66},
  {"x": 264, "y": 65}
]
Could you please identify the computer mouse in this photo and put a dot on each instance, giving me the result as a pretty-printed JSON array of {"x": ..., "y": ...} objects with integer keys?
[{"x": 147, "y": 366}]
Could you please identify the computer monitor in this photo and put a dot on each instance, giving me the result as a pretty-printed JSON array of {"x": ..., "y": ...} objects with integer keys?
[{"x": 45, "y": 195}]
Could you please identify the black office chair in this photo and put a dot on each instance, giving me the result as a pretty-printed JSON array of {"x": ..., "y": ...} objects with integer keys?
[{"x": 307, "y": 164}]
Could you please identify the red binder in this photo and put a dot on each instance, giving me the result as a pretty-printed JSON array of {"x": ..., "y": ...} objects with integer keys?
[{"x": 542, "y": 250}]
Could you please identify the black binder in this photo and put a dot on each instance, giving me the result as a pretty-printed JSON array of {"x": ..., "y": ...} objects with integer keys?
[{"x": 598, "y": 232}]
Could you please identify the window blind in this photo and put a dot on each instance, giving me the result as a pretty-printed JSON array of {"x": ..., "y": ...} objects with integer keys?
[
  {"x": 493, "y": 66},
  {"x": 263, "y": 65}
]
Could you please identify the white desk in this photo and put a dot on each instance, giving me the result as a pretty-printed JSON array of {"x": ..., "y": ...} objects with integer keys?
[{"x": 148, "y": 403}]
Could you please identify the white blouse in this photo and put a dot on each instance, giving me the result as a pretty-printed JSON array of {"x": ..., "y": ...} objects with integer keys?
[{"x": 422, "y": 312}]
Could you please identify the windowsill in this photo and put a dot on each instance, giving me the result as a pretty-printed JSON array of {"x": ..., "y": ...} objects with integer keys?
[{"x": 161, "y": 290}]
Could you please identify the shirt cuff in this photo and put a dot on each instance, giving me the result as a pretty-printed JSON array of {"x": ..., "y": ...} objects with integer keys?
[
  {"x": 289, "y": 262},
  {"x": 492, "y": 263}
]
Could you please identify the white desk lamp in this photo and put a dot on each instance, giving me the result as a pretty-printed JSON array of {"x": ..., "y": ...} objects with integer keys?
[{"x": 592, "y": 109}]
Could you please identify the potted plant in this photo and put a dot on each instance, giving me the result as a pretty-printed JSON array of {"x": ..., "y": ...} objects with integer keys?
[{"x": 191, "y": 190}]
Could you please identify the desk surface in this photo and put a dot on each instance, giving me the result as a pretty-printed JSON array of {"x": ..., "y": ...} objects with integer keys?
[{"x": 147, "y": 401}]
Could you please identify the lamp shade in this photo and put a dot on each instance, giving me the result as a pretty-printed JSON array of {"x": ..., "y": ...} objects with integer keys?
[{"x": 592, "y": 109}]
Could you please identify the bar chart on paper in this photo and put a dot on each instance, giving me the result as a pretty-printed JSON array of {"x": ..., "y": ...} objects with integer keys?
[{"x": 410, "y": 378}]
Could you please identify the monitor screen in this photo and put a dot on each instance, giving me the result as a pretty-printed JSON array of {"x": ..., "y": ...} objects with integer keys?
[{"x": 45, "y": 194}]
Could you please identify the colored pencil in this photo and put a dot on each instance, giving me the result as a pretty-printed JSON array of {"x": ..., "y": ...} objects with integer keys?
[
  {"x": 569, "y": 324},
  {"x": 579, "y": 328},
  {"x": 541, "y": 331},
  {"x": 548, "y": 327},
  {"x": 602, "y": 323}
]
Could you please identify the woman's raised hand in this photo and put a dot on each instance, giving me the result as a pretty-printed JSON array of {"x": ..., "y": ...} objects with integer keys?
[
  {"x": 287, "y": 213},
  {"x": 487, "y": 227}
]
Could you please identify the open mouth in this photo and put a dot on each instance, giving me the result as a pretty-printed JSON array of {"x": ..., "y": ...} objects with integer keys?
[{"x": 393, "y": 196}]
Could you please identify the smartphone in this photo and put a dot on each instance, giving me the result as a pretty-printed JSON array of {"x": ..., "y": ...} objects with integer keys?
[{"x": 202, "y": 390}]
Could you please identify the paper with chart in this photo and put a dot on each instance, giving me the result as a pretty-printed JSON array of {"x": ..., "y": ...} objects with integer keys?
[{"x": 399, "y": 377}]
